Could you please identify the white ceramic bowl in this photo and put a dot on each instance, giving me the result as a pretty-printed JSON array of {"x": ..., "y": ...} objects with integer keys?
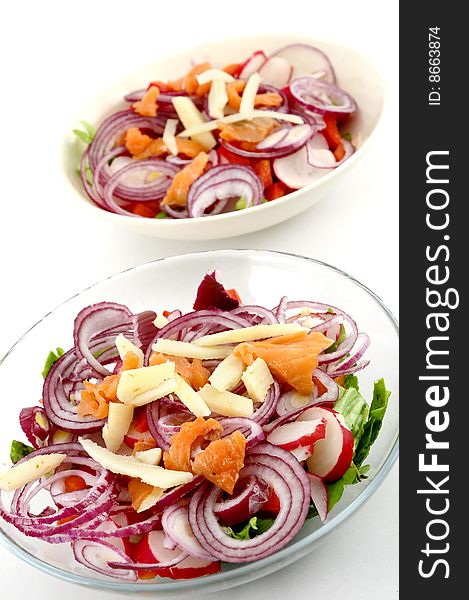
[
  {"x": 355, "y": 73},
  {"x": 261, "y": 277}
]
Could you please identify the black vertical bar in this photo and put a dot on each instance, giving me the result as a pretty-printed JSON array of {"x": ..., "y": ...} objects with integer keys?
[{"x": 434, "y": 255}]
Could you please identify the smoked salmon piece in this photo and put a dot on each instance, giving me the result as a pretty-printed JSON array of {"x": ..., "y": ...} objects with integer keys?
[
  {"x": 178, "y": 457},
  {"x": 222, "y": 461},
  {"x": 253, "y": 131},
  {"x": 291, "y": 358},
  {"x": 143, "y": 445},
  {"x": 179, "y": 188},
  {"x": 189, "y": 82},
  {"x": 143, "y": 146},
  {"x": 195, "y": 374},
  {"x": 235, "y": 88},
  {"x": 148, "y": 106},
  {"x": 139, "y": 491},
  {"x": 95, "y": 398}
]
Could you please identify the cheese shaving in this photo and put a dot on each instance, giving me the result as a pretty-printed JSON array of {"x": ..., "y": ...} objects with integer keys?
[
  {"x": 169, "y": 136},
  {"x": 214, "y": 75}
]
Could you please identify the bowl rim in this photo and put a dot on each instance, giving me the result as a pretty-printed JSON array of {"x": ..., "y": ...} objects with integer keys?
[
  {"x": 293, "y": 549},
  {"x": 86, "y": 203}
]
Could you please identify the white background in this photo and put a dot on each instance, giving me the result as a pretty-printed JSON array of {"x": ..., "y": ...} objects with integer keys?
[{"x": 54, "y": 57}]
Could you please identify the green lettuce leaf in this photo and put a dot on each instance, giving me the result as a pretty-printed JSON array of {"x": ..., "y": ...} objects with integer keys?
[
  {"x": 87, "y": 133},
  {"x": 52, "y": 357},
  {"x": 374, "y": 422},
  {"x": 339, "y": 340},
  {"x": 255, "y": 526},
  {"x": 351, "y": 381},
  {"x": 354, "y": 408},
  {"x": 19, "y": 450}
]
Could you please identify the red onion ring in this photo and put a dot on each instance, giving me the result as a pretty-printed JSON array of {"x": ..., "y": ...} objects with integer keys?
[
  {"x": 222, "y": 183},
  {"x": 275, "y": 146},
  {"x": 279, "y": 469},
  {"x": 93, "y": 321},
  {"x": 90, "y": 554},
  {"x": 154, "y": 190},
  {"x": 321, "y": 96}
]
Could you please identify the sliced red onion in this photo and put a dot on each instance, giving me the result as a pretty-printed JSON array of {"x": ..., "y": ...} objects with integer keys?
[
  {"x": 307, "y": 60},
  {"x": 174, "y": 213},
  {"x": 175, "y": 521},
  {"x": 35, "y": 425},
  {"x": 59, "y": 407},
  {"x": 97, "y": 556},
  {"x": 88, "y": 511},
  {"x": 332, "y": 389},
  {"x": 283, "y": 473},
  {"x": 274, "y": 138},
  {"x": 93, "y": 321},
  {"x": 361, "y": 345},
  {"x": 276, "y": 145},
  {"x": 223, "y": 183},
  {"x": 321, "y": 96},
  {"x": 177, "y": 160},
  {"x": 179, "y": 326},
  {"x": 116, "y": 124},
  {"x": 248, "y": 311},
  {"x": 255, "y": 492},
  {"x": 149, "y": 191},
  {"x": 359, "y": 366},
  {"x": 263, "y": 413},
  {"x": 251, "y": 430}
]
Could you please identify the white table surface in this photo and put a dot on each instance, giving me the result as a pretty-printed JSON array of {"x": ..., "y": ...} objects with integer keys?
[{"x": 54, "y": 56}]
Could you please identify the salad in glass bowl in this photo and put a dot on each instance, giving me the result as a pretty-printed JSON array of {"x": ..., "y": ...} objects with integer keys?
[
  {"x": 221, "y": 138},
  {"x": 168, "y": 444}
]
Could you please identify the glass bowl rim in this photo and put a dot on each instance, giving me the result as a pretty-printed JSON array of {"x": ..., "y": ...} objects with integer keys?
[{"x": 246, "y": 568}]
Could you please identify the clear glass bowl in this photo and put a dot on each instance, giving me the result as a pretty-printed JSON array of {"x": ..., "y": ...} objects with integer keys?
[{"x": 261, "y": 277}]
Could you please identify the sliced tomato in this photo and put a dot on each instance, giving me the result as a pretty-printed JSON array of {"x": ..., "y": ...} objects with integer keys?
[
  {"x": 140, "y": 420},
  {"x": 190, "y": 568},
  {"x": 272, "y": 505},
  {"x": 233, "y": 158},
  {"x": 234, "y": 294},
  {"x": 276, "y": 190},
  {"x": 73, "y": 483}
]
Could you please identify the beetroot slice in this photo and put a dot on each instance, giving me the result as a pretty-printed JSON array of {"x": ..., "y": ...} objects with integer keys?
[{"x": 211, "y": 294}]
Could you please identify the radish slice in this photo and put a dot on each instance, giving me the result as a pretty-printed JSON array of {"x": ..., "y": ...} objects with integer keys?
[
  {"x": 319, "y": 495},
  {"x": 306, "y": 60},
  {"x": 299, "y": 437},
  {"x": 295, "y": 171},
  {"x": 276, "y": 71},
  {"x": 298, "y": 433},
  {"x": 321, "y": 157},
  {"x": 253, "y": 64},
  {"x": 333, "y": 454}
]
